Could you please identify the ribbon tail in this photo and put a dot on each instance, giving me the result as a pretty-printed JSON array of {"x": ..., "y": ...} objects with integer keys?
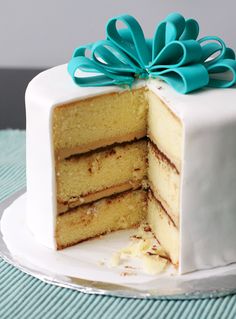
[{"x": 185, "y": 79}]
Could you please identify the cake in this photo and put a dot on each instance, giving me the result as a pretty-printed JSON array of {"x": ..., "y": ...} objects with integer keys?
[{"x": 104, "y": 157}]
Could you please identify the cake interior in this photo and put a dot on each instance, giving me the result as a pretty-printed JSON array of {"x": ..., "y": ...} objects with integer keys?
[{"x": 118, "y": 162}]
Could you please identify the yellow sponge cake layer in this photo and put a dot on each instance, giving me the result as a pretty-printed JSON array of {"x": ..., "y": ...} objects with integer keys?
[
  {"x": 63, "y": 207},
  {"x": 99, "y": 121},
  {"x": 164, "y": 181},
  {"x": 85, "y": 177},
  {"x": 121, "y": 211},
  {"x": 103, "y": 158},
  {"x": 163, "y": 228},
  {"x": 165, "y": 129}
]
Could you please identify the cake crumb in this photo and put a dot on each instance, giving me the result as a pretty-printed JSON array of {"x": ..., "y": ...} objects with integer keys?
[
  {"x": 101, "y": 262},
  {"x": 115, "y": 259},
  {"x": 127, "y": 273},
  {"x": 92, "y": 210},
  {"x": 154, "y": 264},
  {"x": 146, "y": 248},
  {"x": 81, "y": 199},
  {"x": 95, "y": 165},
  {"x": 147, "y": 228},
  {"x": 129, "y": 267},
  {"x": 145, "y": 184}
]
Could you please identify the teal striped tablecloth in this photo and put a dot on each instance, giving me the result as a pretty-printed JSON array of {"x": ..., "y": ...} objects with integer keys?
[{"x": 25, "y": 297}]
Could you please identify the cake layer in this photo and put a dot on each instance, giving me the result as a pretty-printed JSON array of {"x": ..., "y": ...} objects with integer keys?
[
  {"x": 163, "y": 228},
  {"x": 164, "y": 181},
  {"x": 99, "y": 121},
  {"x": 73, "y": 202},
  {"x": 165, "y": 129},
  {"x": 121, "y": 211},
  {"x": 86, "y": 177}
]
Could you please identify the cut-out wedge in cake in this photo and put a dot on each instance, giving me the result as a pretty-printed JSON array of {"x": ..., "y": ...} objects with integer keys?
[{"x": 117, "y": 164}]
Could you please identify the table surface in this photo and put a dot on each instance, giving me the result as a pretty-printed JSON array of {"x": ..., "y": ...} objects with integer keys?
[{"x": 23, "y": 296}]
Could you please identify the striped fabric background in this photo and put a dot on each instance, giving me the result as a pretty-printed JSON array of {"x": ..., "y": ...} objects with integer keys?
[{"x": 24, "y": 297}]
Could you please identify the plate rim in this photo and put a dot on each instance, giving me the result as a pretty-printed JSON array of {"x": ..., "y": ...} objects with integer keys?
[{"x": 96, "y": 287}]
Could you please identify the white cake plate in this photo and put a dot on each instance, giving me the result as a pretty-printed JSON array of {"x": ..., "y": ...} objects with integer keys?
[{"x": 86, "y": 268}]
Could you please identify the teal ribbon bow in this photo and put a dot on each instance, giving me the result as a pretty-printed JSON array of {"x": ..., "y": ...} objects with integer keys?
[{"x": 174, "y": 55}]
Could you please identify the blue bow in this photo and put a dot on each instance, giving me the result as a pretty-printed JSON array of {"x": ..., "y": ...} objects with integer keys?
[{"x": 174, "y": 55}]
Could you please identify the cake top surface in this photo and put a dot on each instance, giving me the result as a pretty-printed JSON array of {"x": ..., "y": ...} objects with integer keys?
[
  {"x": 54, "y": 87},
  {"x": 172, "y": 63}
]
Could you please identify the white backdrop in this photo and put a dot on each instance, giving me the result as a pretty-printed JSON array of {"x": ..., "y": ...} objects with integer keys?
[{"x": 38, "y": 34}]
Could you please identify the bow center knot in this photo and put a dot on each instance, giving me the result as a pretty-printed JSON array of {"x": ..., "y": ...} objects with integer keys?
[{"x": 144, "y": 74}]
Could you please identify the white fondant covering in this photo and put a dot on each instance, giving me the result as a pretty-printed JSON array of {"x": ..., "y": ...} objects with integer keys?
[{"x": 208, "y": 201}]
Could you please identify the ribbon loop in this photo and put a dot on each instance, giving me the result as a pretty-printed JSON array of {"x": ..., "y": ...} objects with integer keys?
[
  {"x": 112, "y": 58},
  {"x": 191, "y": 30},
  {"x": 186, "y": 79},
  {"x": 225, "y": 70},
  {"x": 174, "y": 54},
  {"x": 167, "y": 31},
  {"x": 131, "y": 41},
  {"x": 177, "y": 54},
  {"x": 211, "y": 48}
]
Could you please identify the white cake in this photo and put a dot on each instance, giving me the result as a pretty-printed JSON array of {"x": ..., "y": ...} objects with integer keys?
[
  {"x": 199, "y": 137},
  {"x": 111, "y": 145}
]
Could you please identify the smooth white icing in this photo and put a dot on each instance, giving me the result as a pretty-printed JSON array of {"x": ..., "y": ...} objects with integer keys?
[{"x": 208, "y": 201}]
